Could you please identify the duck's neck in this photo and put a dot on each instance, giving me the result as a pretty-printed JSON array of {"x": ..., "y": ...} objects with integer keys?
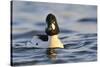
[{"x": 55, "y": 42}]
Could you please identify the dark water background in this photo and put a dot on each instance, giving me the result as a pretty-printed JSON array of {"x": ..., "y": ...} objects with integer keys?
[{"x": 78, "y": 33}]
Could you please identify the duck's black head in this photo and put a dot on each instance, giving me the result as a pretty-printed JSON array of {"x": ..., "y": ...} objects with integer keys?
[{"x": 52, "y": 26}]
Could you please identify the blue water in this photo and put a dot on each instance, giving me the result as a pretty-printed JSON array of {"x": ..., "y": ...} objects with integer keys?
[{"x": 78, "y": 33}]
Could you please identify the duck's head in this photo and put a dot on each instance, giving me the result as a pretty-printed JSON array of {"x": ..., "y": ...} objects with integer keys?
[{"x": 52, "y": 26}]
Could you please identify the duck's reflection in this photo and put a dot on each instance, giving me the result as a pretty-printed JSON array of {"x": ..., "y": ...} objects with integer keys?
[{"x": 51, "y": 53}]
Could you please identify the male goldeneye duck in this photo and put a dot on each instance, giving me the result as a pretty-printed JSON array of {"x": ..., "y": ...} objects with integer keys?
[
  {"x": 50, "y": 34},
  {"x": 52, "y": 31}
]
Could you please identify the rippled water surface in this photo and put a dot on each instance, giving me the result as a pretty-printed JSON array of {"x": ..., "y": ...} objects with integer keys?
[{"x": 78, "y": 33}]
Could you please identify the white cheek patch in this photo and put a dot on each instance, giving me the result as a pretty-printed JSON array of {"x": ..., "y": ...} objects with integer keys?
[{"x": 53, "y": 26}]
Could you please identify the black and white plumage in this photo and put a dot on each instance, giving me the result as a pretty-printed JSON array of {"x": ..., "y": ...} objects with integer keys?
[
  {"x": 50, "y": 39},
  {"x": 52, "y": 31}
]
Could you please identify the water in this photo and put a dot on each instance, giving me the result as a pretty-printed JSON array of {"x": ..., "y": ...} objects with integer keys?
[{"x": 78, "y": 33}]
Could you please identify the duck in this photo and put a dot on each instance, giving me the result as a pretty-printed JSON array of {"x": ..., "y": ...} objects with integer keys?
[
  {"x": 52, "y": 30},
  {"x": 49, "y": 38}
]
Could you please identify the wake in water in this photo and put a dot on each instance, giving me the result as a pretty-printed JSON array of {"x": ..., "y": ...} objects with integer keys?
[
  {"x": 78, "y": 48},
  {"x": 76, "y": 40}
]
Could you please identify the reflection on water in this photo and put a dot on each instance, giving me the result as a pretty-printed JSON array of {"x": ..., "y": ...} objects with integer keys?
[
  {"x": 51, "y": 53},
  {"x": 78, "y": 33}
]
